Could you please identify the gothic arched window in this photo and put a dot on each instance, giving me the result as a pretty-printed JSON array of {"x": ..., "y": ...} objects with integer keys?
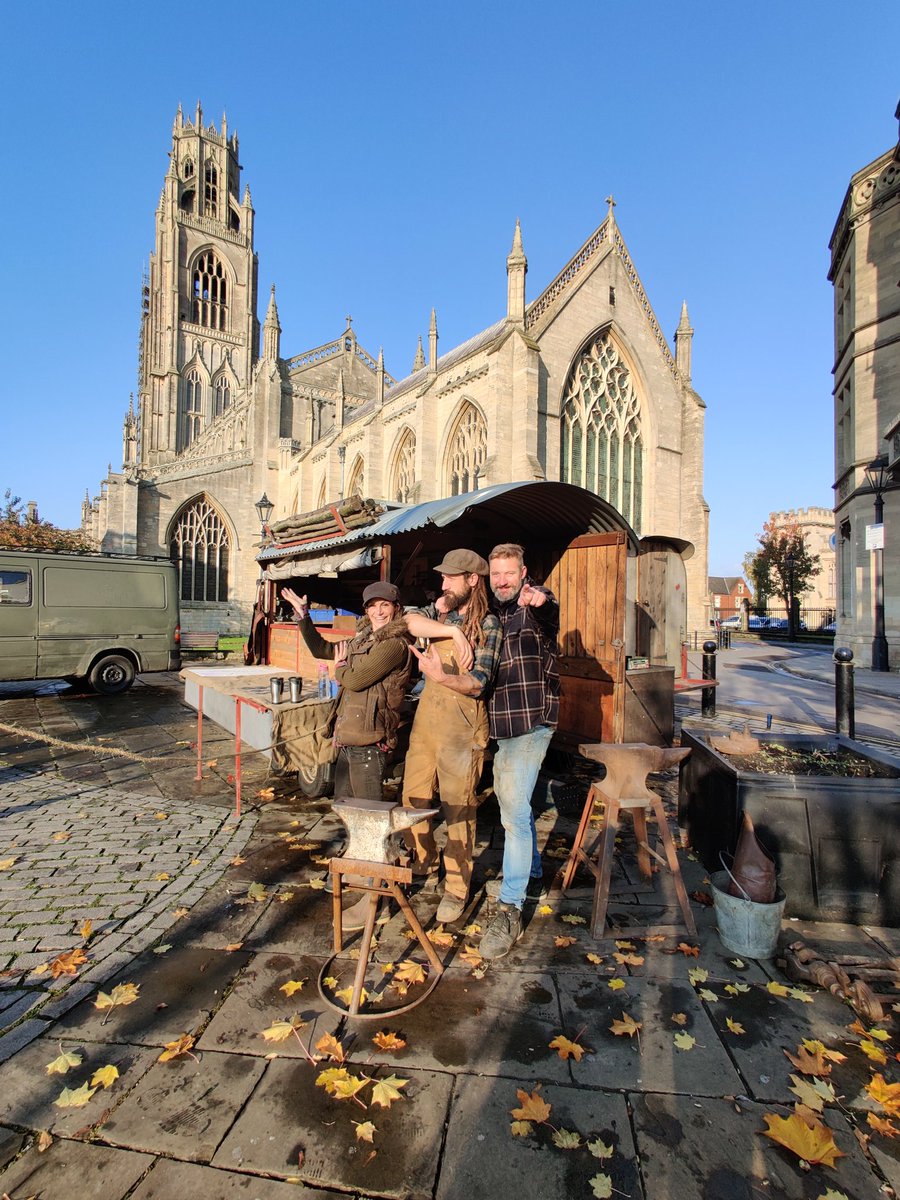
[
  {"x": 320, "y": 502},
  {"x": 357, "y": 481},
  {"x": 210, "y": 189},
  {"x": 209, "y": 292},
  {"x": 192, "y": 409},
  {"x": 221, "y": 395},
  {"x": 403, "y": 475},
  {"x": 602, "y": 448},
  {"x": 466, "y": 452},
  {"x": 188, "y": 168},
  {"x": 200, "y": 548}
]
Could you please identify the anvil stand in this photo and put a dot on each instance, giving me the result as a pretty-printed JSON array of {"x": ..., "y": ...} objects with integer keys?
[
  {"x": 372, "y": 824},
  {"x": 624, "y": 790}
]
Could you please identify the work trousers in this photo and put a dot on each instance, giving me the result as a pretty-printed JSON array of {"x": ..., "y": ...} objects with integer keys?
[{"x": 446, "y": 752}]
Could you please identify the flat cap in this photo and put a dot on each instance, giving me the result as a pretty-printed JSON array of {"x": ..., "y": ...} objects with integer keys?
[
  {"x": 381, "y": 591},
  {"x": 463, "y": 562}
]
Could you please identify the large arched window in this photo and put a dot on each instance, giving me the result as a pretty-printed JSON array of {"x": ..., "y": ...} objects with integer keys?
[
  {"x": 210, "y": 189},
  {"x": 403, "y": 475},
  {"x": 192, "y": 409},
  {"x": 602, "y": 449},
  {"x": 221, "y": 395},
  {"x": 356, "y": 484},
  {"x": 209, "y": 292},
  {"x": 200, "y": 548},
  {"x": 466, "y": 452}
]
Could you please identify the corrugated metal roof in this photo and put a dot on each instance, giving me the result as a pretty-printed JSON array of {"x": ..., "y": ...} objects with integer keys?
[{"x": 526, "y": 508}]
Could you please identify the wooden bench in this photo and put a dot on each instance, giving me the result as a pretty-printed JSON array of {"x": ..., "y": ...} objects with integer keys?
[{"x": 200, "y": 643}]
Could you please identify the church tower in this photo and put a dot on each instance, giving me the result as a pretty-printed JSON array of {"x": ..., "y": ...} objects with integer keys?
[{"x": 199, "y": 329}]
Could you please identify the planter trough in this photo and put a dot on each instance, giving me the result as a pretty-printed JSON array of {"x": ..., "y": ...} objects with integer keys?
[{"x": 835, "y": 840}]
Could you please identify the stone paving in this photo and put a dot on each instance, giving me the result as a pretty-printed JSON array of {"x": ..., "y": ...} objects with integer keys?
[{"x": 242, "y": 1115}]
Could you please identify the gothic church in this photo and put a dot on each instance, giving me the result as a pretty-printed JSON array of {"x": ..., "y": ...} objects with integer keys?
[{"x": 580, "y": 385}]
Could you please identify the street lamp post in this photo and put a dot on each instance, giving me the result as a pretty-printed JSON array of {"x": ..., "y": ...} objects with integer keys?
[
  {"x": 877, "y": 478},
  {"x": 264, "y": 507},
  {"x": 792, "y": 632}
]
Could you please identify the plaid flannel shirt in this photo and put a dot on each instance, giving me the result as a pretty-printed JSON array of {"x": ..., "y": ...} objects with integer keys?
[{"x": 526, "y": 691}]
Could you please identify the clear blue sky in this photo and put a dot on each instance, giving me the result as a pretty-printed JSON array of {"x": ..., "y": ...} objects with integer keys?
[{"x": 389, "y": 148}]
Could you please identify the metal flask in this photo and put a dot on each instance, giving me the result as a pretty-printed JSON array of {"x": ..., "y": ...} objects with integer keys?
[
  {"x": 296, "y": 685},
  {"x": 277, "y": 685}
]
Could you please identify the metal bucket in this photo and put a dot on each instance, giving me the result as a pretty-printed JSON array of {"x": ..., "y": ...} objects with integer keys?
[{"x": 745, "y": 927}]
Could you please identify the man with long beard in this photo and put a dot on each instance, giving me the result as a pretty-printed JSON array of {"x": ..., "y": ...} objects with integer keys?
[{"x": 450, "y": 732}]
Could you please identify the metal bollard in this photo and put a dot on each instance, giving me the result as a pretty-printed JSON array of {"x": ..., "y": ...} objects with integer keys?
[
  {"x": 844, "y": 706},
  {"x": 708, "y": 694}
]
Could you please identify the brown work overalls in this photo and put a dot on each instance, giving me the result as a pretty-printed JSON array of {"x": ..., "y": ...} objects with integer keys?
[{"x": 446, "y": 753}]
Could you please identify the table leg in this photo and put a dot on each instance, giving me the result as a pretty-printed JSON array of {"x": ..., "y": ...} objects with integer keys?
[{"x": 237, "y": 758}]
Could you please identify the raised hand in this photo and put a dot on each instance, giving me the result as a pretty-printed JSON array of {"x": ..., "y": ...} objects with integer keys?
[
  {"x": 531, "y": 597},
  {"x": 430, "y": 662},
  {"x": 299, "y": 604}
]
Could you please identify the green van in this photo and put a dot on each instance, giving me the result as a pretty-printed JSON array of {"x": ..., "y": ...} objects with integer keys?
[{"x": 100, "y": 618}]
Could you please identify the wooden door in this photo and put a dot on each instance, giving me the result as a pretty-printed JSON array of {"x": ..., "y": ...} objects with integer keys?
[{"x": 589, "y": 580}]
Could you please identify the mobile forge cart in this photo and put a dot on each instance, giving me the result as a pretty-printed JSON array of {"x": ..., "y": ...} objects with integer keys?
[{"x": 622, "y": 599}]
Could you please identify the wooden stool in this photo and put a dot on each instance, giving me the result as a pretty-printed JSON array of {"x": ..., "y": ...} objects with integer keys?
[{"x": 601, "y": 866}]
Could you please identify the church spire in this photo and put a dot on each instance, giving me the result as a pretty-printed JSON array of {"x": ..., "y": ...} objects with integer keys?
[
  {"x": 379, "y": 378},
  {"x": 516, "y": 268},
  {"x": 271, "y": 331},
  {"x": 683, "y": 336},
  {"x": 432, "y": 343},
  {"x": 419, "y": 360}
]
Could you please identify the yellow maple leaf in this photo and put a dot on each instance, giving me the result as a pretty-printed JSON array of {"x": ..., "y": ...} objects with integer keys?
[
  {"x": 544, "y": 910},
  {"x": 330, "y": 1076},
  {"x": 562, "y": 941},
  {"x": 777, "y": 989},
  {"x": 388, "y": 1041},
  {"x": 567, "y": 1049},
  {"x": 180, "y": 912},
  {"x": 387, "y": 1090},
  {"x": 266, "y": 793},
  {"x": 66, "y": 1061},
  {"x": 61, "y": 836},
  {"x": 520, "y": 1128},
  {"x": 164, "y": 816},
  {"x": 237, "y": 861},
  {"x": 624, "y": 945},
  {"x": 870, "y": 1050},
  {"x": 532, "y": 1106},
  {"x": 472, "y": 930},
  {"x": 600, "y": 1149},
  {"x": 684, "y": 1041},
  {"x": 233, "y": 946},
  {"x": 735, "y": 1026},
  {"x": 679, "y": 1018},
  {"x": 880, "y": 1125},
  {"x": 365, "y": 1131},
  {"x": 615, "y": 985},
  {"x": 121, "y": 995},
  {"x": 799, "y": 994},
  {"x": 346, "y": 1089},
  {"x": 814, "y": 1046},
  {"x": 601, "y": 1187},
  {"x": 68, "y": 963},
  {"x": 292, "y": 985},
  {"x": 410, "y": 972},
  {"x": 566, "y": 1139},
  {"x": 706, "y": 994},
  {"x": 330, "y": 982},
  {"x": 74, "y": 1098},
  {"x": 626, "y": 1027},
  {"x": 471, "y": 955},
  {"x": 440, "y": 937},
  {"x": 280, "y": 1031},
  {"x": 698, "y": 975},
  {"x": 257, "y": 892},
  {"x": 162, "y": 876},
  {"x": 105, "y": 1076},
  {"x": 628, "y": 960},
  {"x": 572, "y": 919},
  {"x": 177, "y": 1048},
  {"x": 6, "y": 863},
  {"x": 887, "y": 1094},
  {"x": 814, "y": 1143},
  {"x": 346, "y": 994},
  {"x": 592, "y": 958},
  {"x": 329, "y": 1046},
  {"x": 87, "y": 929}
]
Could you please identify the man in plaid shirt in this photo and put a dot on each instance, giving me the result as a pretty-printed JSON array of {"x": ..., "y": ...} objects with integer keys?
[{"x": 524, "y": 710}]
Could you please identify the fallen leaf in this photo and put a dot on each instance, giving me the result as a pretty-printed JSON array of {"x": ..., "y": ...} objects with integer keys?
[
  {"x": 87, "y": 929},
  {"x": 292, "y": 985},
  {"x": 679, "y": 1018},
  {"x": 410, "y": 972},
  {"x": 164, "y": 816},
  {"x": 162, "y": 876},
  {"x": 329, "y": 1046},
  {"x": 831, "y": 1194},
  {"x": 592, "y": 958},
  {"x": 600, "y": 1149},
  {"x": 532, "y": 1107},
  {"x": 257, "y": 892},
  {"x": 163, "y": 949},
  {"x": 365, "y": 1131},
  {"x": 176, "y": 1049},
  {"x": 232, "y": 946},
  {"x": 387, "y": 1090},
  {"x": 601, "y": 1187},
  {"x": 573, "y": 919},
  {"x": 105, "y": 1077},
  {"x": 621, "y": 944},
  {"x": 544, "y": 910},
  {"x": 61, "y": 837},
  {"x": 237, "y": 861},
  {"x": 813, "y": 1143},
  {"x": 267, "y": 793},
  {"x": 567, "y": 1049},
  {"x": 885, "y": 1128},
  {"x": 615, "y": 985},
  {"x": 627, "y": 1026},
  {"x": 471, "y": 955},
  {"x": 346, "y": 1089},
  {"x": 688, "y": 951},
  {"x": 6, "y": 863},
  {"x": 346, "y": 994},
  {"x": 706, "y": 994},
  {"x": 44, "y": 1142},
  {"x": 808, "y": 1063},
  {"x": 472, "y": 930},
  {"x": 283, "y": 897},
  {"x": 737, "y": 963},
  {"x": 684, "y": 1041},
  {"x": 330, "y": 1076},
  {"x": 121, "y": 995},
  {"x": 388, "y": 1041},
  {"x": 180, "y": 912},
  {"x": 735, "y": 1026},
  {"x": 213, "y": 762},
  {"x": 68, "y": 963},
  {"x": 629, "y": 960},
  {"x": 887, "y": 1094},
  {"x": 520, "y": 1128},
  {"x": 74, "y": 1098},
  {"x": 562, "y": 940},
  {"x": 65, "y": 1062},
  {"x": 776, "y": 989},
  {"x": 698, "y": 975},
  {"x": 799, "y": 994},
  {"x": 735, "y": 989},
  {"x": 440, "y": 937},
  {"x": 280, "y": 1031},
  {"x": 870, "y": 1050},
  {"x": 703, "y": 898},
  {"x": 330, "y": 982},
  {"x": 566, "y": 1139}
]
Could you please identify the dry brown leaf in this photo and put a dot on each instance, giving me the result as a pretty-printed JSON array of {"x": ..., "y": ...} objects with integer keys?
[
  {"x": 679, "y": 1018},
  {"x": 121, "y": 995},
  {"x": 813, "y": 1143},
  {"x": 176, "y": 1049},
  {"x": 388, "y": 1041},
  {"x": 410, "y": 972},
  {"x": 880, "y": 1125},
  {"x": 703, "y": 898},
  {"x": 87, "y": 929},
  {"x": 68, "y": 963},
  {"x": 627, "y": 1026},
  {"x": 44, "y": 1142},
  {"x": 562, "y": 941},
  {"x": 267, "y": 793},
  {"x": 237, "y": 861},
  {"x": 887, "y": 1094},
  {"x": 329, "y": 1046},
  {"x": 809, "y": 1063},
  {"x": 688, "y": 951},
  {"x": 566, "y": 1048},
  {"x": 532, "y": 1107}
]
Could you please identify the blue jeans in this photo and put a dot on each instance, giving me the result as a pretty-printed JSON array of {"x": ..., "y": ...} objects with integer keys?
[{"x": 516, "y": 766}]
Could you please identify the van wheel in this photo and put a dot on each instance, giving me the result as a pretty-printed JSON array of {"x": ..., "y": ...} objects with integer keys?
[
  {"x": 111, "y": 674},
  {"x": 316, "y": 781}
]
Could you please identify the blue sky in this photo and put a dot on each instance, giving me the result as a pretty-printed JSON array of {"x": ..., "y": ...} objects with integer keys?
[{"x": 389, "y": 149}]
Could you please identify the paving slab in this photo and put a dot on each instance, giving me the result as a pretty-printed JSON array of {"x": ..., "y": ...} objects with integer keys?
[
  {"x": 69, "y": 1169},
  {"x": 482, "y": 1158},
  {"x": 169, "y": 1179},
  {"x": 692, "y": 1147},
  {"x": 291, "y": 1117},
  {"x": 499, "y": 1025},
  {"x": 773, "y": 1024},
  {"x": 256, "y": 1001},
  {"x": 653, "y": 1063},
  {"x": 830, "y": 938},
  {"x": 179, "y": 991},
  {"x": 11, "y": 1142},
  {"x": 29, "y": 1093},
  {"x": 184, "y": 1108},
  {"x": 301, "y": 925}
]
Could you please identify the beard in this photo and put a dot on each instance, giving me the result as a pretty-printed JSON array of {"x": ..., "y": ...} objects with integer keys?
[{"x": 455, "y": 600}]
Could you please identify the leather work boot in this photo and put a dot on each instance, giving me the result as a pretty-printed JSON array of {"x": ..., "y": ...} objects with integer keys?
[
  {"x": 450, "y": 909},
  {"x": 502, "y": 933}
]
